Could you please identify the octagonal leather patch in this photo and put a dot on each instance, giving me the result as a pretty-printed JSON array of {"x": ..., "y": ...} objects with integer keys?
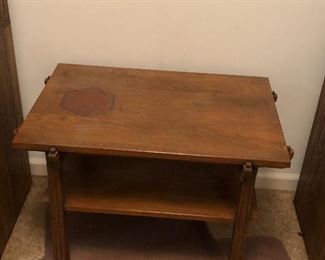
[{"x": 88, "y": 101}]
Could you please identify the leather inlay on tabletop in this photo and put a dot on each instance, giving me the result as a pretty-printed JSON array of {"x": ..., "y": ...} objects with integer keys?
[{"x": 88, "y": 102}]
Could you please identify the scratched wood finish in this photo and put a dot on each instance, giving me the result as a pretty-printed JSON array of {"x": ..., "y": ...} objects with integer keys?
[
  {"x": 151, "y": 187},
  {"x": 160, "y": 114},
  {"x": 310, "y": 195},
  {"x": 14, "y": 168}
]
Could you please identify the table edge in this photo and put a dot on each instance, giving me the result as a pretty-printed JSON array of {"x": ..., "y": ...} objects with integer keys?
[{"x": 152, "y": 154}]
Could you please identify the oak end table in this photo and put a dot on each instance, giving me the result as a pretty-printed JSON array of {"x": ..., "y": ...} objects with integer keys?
[{"x": 154, "y": 143}]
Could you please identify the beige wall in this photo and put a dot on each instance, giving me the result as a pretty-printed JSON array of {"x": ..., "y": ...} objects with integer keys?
[{"x": 284, "y": 40}]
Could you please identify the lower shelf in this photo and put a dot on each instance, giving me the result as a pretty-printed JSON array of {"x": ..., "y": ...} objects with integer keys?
[{"x": 151, "y": 187}]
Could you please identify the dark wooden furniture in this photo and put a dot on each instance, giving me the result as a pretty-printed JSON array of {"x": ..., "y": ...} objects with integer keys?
[
  {"x": 14, "y": 167},
  {"x": 310, "y": 194},
  {"x": 154, "y": 143}
]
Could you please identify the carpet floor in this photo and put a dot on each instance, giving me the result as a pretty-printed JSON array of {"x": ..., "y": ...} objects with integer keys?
[
  {"x": 277, "y": 221},
  {"x": 101, "y": 237}
]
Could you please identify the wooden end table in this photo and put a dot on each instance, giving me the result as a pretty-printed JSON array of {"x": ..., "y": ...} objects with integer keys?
[{"x": 154, "y": 143}]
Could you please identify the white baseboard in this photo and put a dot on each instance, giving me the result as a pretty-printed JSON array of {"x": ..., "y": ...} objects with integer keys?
[
  {"x": 265, "y": 180},
  {"x": 37, "y": 166},
  {"x": 277, "y": 181}
]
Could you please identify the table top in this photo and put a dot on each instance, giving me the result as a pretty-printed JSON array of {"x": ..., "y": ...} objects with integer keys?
[{"x": 158, "y": 114}]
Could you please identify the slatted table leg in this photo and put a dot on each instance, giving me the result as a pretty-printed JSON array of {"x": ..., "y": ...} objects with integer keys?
[
  {"x": 243, "y": 214},
  {"x": 58, "y": 225}
]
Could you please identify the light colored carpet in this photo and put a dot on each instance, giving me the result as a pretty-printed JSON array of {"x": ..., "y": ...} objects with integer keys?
[
  {"x": 101, "y": 237},
  {"x": 276, "y": 218}
]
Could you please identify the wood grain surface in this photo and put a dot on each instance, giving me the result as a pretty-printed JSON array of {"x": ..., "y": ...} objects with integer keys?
[{"x": 160, "y": 114}]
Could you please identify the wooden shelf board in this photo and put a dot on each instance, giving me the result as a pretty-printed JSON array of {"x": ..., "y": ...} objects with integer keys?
[{"x": 151, "y": 187}]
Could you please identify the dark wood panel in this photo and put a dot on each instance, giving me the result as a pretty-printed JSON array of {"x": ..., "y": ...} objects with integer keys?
[
  {"x": 310, "y": 195},
  {"x": 4, "y": 14},
  {"x": 159, "y": 114},
  {"x": 16, "y": 160},
  {"x": 6, "y": 123},
  {"x": 151, "y": 187},
  {"x": 19, "y": 159},
  {"x": 14, "y": 167},
  {"x": 13, "y": 75},
  {"x": 6, "y": 202},
  {"x": 2, "y": 233}
]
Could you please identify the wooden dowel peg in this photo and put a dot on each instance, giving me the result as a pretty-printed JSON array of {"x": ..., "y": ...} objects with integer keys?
[{"x": 275, "y": 96}]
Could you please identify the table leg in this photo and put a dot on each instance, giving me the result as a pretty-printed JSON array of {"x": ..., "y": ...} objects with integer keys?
[
  {"x": 58, "y": 229},
  {"x": 243, "y": 213}
]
